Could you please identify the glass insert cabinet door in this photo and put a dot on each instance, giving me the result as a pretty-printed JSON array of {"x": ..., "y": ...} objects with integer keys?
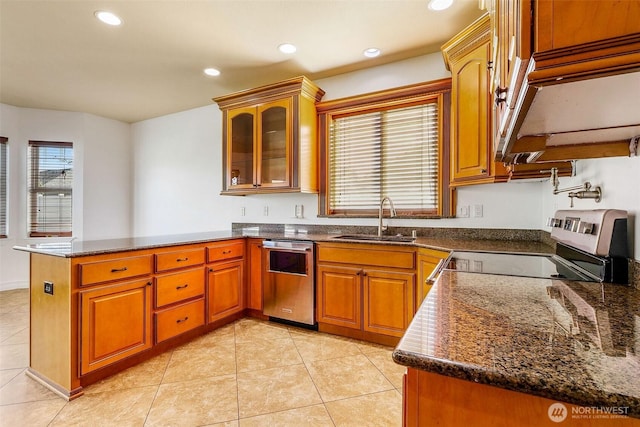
[
  {"x": 274, "y": 128},
  {"x": 241, "y": 146}
]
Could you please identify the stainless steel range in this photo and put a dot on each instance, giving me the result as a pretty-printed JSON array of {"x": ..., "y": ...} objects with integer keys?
[{"x": 591, "y": 246}]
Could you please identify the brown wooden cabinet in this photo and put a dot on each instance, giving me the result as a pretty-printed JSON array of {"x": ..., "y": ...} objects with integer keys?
[
  {"x": 468, "y": 57},
  {"x": 115, "y": 323},
  {"x": 269, "y": 136},
  {"x": 339, "y": 295},
  {"x": 428, "y": 260},
  {"x": 368, "y": 288},
  {"x": 553, "y": 44},
  {"x": 225, "y": 279},
  {"x": 254, "y": 267},
  {"x": 433, "y": 399}
]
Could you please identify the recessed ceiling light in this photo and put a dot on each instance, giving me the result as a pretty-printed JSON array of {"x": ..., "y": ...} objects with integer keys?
[
  {"x": 211, "y": 72},
  {"x": 440, "y": 4},
  {"x": 287, "y": 48},
  {"x": 108, "y": 17},
  {"x": 372, "y": 52}
]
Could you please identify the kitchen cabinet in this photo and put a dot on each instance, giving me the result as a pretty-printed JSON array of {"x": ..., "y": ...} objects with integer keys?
[
  {"x": 225, "y": 279},
  {"x": 255, "y": 265},
  {"x": 365, "y": 291},
  {"x": 115, "y": 323},
  {"x": 468, "y": 57},
  {"x": 460, "y": 402},
  {"x": 270, "y": 138},
  {"x": 102, "y": 313},
  {"x": 428, "y": 260},
  {"x": 586, "y": 59}
]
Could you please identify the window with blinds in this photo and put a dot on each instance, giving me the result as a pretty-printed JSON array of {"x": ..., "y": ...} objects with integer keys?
[
  {"x": 50, "y": 188},
  {"x": 3, "y": 186},
  {"x": 392, "y": 145}
]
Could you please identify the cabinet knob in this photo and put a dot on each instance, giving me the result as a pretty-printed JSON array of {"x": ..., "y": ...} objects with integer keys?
[
  {"x": 483, "y": 171},
  {"x": 149, "y": 283},
  {"x": 211, "y": 270}
]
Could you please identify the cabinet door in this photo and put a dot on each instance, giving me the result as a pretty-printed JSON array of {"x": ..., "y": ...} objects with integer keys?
[
  {"x": 241, "y": 156},
  {"x": 115, "y": 323},
  {"x": 388, "y": 301},
  {"x": 225, "y": 285},
  {"x": 254, "y": 295},
  {"x": 469, "y": 118},
  {"x": 339, "y": 295},
  {"x": 274, "y": 148}
]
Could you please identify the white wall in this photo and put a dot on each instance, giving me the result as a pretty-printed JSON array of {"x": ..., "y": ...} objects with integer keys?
[
  {"x": 178, "y": 177},
  {"x": 619, "y": 179},
  {"x": 101, "y": 196}
]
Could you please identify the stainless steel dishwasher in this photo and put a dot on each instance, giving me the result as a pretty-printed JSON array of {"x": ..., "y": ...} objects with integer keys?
[{"x": 289, "y": 282}]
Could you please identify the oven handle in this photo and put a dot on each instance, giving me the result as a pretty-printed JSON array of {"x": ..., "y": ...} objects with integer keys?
[{"x": 432, "y": 277}]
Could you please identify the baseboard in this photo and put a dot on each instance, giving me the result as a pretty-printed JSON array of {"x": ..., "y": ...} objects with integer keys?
[{"x": 7, "y": 286}]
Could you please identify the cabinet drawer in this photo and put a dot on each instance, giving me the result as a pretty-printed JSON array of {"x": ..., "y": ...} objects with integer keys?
[
  {"x": 225, "y": 250},
  {"x": 377, "y": 256},
  {"x": 179, "y": 259},
  {"x": 177, "y": 320},
  {"x": 114, "y": 269},
  {"x": 176, "y": 287}
]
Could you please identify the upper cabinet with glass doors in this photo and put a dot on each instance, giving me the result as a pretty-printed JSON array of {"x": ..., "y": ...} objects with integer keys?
[{"x": 270, "y": 138}]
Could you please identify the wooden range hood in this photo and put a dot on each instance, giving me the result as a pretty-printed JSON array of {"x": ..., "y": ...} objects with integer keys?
[{"x": 575, "y": 120}]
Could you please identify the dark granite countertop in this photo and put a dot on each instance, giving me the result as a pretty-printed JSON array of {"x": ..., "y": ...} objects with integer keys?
[
  {"x": 575, "y": 342},
  {"x": 473, "y": 239}
]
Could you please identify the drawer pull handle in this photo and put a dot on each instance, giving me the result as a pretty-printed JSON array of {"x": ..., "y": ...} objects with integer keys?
[
  {"x": 182, "y": 287},
  {"x": 182, "y": 259},
  {"x": 182, "y": 320},
  {"x": 226, "y": 252},
  {"x": 118, "y": 270}
]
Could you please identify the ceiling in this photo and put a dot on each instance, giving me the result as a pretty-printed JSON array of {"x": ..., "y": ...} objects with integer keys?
[{"x": 55, "y": 54}]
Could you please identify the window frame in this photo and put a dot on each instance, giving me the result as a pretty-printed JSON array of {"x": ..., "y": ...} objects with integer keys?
[
  {"x": 31, "y": 206},
  {"x": 438, "y": 91},
  {"x": 4, "y": 187}
]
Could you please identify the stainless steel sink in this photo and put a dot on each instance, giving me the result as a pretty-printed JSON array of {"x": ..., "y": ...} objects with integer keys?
[{"x": 368, "y": 237}]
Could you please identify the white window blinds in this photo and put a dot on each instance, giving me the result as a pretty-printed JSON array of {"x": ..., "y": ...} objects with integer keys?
[
  {"x": 3, "y": 187},
  {"x": 392, "y": 153},
  {"x": 50, "y": 188}
]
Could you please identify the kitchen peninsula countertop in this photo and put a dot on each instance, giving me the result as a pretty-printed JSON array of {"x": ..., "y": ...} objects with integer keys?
[
  {"x": 575, "y": 342},
  {"x": 77, "y": 248}
]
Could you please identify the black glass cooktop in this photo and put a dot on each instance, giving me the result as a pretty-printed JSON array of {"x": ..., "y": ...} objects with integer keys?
[{"x": 517, "y": 264}]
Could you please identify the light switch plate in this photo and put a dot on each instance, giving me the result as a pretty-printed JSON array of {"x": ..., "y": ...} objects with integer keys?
[{"x": 463, "y": 211}]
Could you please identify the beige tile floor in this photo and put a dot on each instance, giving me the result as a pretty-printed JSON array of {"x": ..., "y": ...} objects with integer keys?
[{"x": 249, "y": 373}]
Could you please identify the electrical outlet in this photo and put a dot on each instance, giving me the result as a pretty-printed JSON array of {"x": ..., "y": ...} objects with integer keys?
[
  {"x": 463, "y": 211},
  {"x": 299, "y": 211},
  {"x": 243, "y": 211},
  {"x": 477, "y": 211},
  {"x": 48, "y": 288},
  {"x": 265, "y": 211}
]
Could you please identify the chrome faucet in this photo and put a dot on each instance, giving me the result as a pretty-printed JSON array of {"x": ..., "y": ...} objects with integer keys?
[{"x": 381, "y": 227}]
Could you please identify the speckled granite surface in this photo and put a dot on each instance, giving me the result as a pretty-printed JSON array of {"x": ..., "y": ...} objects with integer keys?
[
  {"x": 569, "y": 341},
  {"x": 78, "y": 248},
  {"x": 474, "y": 239}
]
